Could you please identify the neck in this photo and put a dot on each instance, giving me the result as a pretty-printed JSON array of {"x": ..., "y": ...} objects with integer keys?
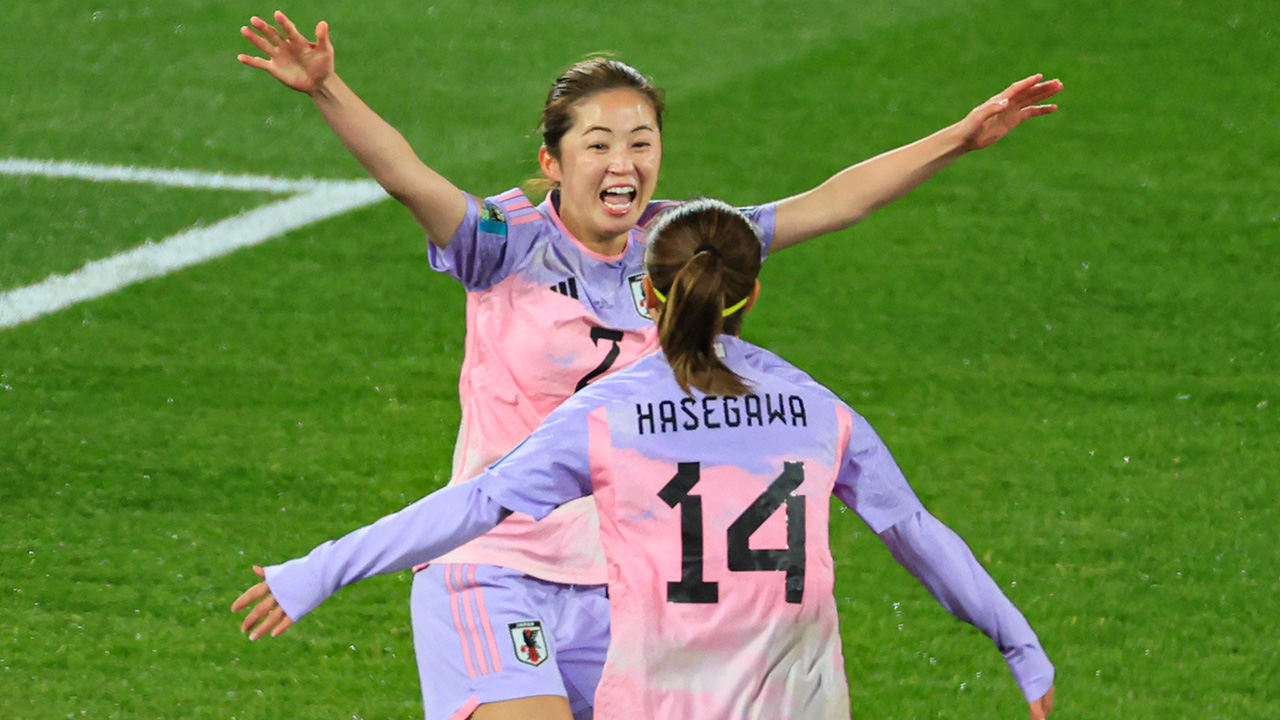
[{"x": 604, "y": 246}]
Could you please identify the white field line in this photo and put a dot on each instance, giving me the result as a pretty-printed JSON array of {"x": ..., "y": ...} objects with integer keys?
[
  {"x": 155, "y": 176},
  {"x": 320, "y": 199}
]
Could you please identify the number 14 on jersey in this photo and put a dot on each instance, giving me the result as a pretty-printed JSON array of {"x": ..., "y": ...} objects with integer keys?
[{"x": 692, "y": 588}]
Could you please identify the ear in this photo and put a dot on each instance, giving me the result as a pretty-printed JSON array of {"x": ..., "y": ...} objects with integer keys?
[
  {"x": 549, "y": 164},
  {"x": 755, "y": 293}
]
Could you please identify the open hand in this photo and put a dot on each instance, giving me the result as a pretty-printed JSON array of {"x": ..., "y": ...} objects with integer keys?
[
  {"x": 291, "y": 58},
  {"x": 273, "y": 619},
  {"x": 992, "y": 120}
]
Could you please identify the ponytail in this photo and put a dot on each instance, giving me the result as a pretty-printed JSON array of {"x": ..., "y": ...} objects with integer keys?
[{"x": 707, "y": 256}]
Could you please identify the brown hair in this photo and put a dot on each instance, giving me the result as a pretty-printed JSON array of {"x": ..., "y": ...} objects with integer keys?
[
  {"x": 587, "y": 77},
  {"x": 702, "y": 257}
]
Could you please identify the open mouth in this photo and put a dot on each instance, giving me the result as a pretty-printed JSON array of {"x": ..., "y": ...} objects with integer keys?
[{"x": 619, "y": 199}]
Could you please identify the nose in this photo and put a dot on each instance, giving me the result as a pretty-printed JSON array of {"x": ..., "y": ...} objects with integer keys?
[{"x": 620, "y": 162}]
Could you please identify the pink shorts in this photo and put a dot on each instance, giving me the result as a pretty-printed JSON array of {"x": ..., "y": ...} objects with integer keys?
[{"x": 483, "y": 634}]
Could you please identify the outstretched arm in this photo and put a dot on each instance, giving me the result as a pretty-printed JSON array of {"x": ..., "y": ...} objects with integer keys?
[
  {"x": 308, "y": 67},
  {"x": 942, "y": 561},
  {"x": 852, "y": 194},
  {"x": 551, "y": 467},
  {"x": 444, "y": 520}
]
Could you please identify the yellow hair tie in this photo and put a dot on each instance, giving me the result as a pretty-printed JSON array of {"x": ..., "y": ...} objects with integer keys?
[{"x": 727, "y": 311}]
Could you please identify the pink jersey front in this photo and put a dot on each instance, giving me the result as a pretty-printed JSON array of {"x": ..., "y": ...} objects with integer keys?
[
  {"x": 546, "y": 316},
  {"x": 714, "y": 517}
]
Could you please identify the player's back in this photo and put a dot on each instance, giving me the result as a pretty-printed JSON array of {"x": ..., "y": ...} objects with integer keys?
[{"x": 714, "y": 514}]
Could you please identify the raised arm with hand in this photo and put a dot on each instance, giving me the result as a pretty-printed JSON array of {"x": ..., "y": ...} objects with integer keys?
[
  {"x": 308, "y": 67},
  {"x": 852, "y": 194}
]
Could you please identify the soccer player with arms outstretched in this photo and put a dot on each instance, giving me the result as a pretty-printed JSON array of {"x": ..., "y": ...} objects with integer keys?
[
  {"x": 554, "y": 303},
  {"x": 711, "y": 462}
]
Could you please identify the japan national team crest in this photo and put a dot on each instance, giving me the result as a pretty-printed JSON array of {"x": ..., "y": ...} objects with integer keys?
[
  {"x": 637, "y": 295},
  {"x": 529, "y": 641}
]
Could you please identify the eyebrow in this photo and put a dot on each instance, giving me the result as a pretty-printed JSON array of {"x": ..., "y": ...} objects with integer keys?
[{"x": 602, "y": 128}]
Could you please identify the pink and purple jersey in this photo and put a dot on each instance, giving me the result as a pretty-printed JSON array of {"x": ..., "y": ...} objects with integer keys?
[
  {"x": 546, "y": 316},
  {"x": 714, "y": 517}
]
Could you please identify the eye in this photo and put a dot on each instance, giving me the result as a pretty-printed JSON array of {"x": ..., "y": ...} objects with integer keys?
[
  {"x": 641, "y": 144},
  {"x": 598, "y": 146}
]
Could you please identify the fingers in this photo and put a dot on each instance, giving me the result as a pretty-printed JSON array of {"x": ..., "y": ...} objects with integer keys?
[
  {"x": 266, "y": 616},
  {"x": 1049, "y": 87},
  {"x": 1037, "y": 111},
  {"x": 284, "y": 624},
  {"x": 252, "y": 61},
  {"x": 1040, "y": 92},
  {"x": 255, "y": 593},
  {"x": 261, "y": 589},
  {"x": 290, "y": 30},
  {"x": 267, "y": 29},
  {"x": 1021, "y": 85},
  {"x": 1041, "y": 708},
  {"x": 271, "y": 624},
  {"x": 257, "y": 40},
  {"x": 1036, "y": 93},
  {"x": 261, "y": 610},
  {"x": 322, "y": 35}
]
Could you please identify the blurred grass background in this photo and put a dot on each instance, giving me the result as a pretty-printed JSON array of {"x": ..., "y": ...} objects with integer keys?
[{"x": 1070, "y": 340}]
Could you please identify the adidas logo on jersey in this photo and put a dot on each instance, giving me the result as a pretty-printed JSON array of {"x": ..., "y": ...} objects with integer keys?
[{"x": 567, "y": 287}]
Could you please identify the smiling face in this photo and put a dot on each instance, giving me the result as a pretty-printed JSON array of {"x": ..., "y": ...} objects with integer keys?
[{"x": 607, "y": 167}]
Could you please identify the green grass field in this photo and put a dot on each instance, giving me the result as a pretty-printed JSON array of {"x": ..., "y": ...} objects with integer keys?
[{"x": 1071, "y": 341}]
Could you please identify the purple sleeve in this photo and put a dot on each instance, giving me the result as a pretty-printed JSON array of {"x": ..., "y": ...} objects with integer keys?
[
  {"x": 942, "y": 561},
  {"x": 870, "y": 482},
  {"x": 765, "y": 217},
  {"x": 495, "y": 234},
  {"x": 427, "y": 529},
  {"x": 551, "y": 467}
]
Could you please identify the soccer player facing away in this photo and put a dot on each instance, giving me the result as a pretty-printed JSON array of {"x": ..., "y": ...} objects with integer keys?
[
  {"x": 711, "y": 462},
  {"x": 554, "y": 303}
]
